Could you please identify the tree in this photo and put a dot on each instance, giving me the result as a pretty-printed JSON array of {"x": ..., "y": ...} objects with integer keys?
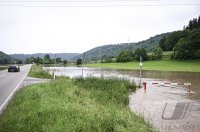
[
  {"x": 58, "y": 60},
  {"x": 27, "y": 61},
  {"x": 47, "y": 59},
  {"x": 194, "y": 24},
  {"x": 65, "y": 62},
  {"x": 181, "y": 51},
  {"x": 141, "y": 52},
  {"x": 162, "y": 43},
  {"x": 188, "y": 48},
  {"x": 19, "y": 61},
  {"x": 173, "y": 38},
  {"x": 157, "y": 53},
  {"x": 4, "y": 61},
  {"x": 38, "y": 60},
  {"x": 193, "y": 40},
  {"x": 32, "y": 59},
  {"x": 125, "y": 56},
  {"x": 198, "y": 23},
  {"x": 79, "y": 62},
  {"x": 107, "y": 59}
]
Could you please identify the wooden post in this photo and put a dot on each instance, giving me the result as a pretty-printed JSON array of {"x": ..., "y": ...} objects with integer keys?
[{"x": 145, "y": 86}]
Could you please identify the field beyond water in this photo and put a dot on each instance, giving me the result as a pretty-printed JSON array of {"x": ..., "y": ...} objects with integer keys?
[
  {"x": 79, "y": 104},
  {"x": 160, "y": 65}
]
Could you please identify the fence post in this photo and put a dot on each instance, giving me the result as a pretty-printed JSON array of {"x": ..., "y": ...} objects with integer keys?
[{"x": 145, "y": 86}]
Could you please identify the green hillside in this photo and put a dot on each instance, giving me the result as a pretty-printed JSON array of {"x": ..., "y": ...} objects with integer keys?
[
  {"x": 114, "y": 49},
  {"x": 4, "y": 58}
]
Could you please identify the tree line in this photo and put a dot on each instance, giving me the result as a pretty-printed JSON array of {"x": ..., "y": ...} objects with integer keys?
[
  {"x": 45, "y": 60},
  {"x": 185, "y": 44},
  {"x": 129, "y": 55}
]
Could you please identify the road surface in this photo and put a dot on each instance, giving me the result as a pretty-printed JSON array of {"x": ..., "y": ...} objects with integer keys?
[{"x": 10, "y": 82}]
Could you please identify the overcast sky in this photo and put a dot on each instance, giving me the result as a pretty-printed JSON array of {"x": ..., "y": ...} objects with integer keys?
[{"x": 66, "y": 27}]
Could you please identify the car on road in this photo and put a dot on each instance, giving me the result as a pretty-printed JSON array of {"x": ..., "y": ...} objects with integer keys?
[{"x": 13, "y": 68}]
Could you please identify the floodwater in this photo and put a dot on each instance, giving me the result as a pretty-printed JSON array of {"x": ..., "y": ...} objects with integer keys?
[{"x": 167, "y": 105}]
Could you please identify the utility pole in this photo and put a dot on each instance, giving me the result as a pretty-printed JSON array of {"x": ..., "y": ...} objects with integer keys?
[
  {"x": 54, "y": 75},
  {"x": 83, "y": 62},
  {"x": 101, "y": 60},
  {"x": 140, "y": 70},
  {"x": 100, "y": 55}
]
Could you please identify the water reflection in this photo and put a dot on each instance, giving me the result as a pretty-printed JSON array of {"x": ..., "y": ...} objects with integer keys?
[{"x": 176, "y": 77}]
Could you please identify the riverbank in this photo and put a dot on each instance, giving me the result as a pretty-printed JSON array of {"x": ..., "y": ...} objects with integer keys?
[
  {"x": 160, "y": 65},
  {"x": 91, "y": 104}
]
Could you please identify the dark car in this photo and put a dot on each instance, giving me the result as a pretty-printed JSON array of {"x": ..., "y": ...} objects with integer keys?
[{"x": 14, "y": 68}]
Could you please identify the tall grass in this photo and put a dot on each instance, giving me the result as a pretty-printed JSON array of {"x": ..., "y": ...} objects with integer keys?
[
  {"x": 38, "y": 72},
  {"x": 88, "y": 105},
  {"x": 112, "y": 90}
]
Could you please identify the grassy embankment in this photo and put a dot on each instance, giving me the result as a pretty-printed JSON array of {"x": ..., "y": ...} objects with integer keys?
[
  {"x": 165, "y": 64},
  {"x": 38, "y": 72},
  {"x": 73, "y": 105}
]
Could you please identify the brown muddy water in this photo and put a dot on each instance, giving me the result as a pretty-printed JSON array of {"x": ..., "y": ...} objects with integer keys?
[{"x": 169, "y": 108}]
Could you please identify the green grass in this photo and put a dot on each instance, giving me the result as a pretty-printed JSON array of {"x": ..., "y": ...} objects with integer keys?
[
  {"x": 88, "y": 105},
  {"x": 38, "y": 72},
  {"x": 160, "y": 65},
  {"x": 3, "y": 68}
]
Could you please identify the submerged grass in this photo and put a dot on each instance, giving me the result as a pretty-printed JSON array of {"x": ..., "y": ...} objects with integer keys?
[
  {"x": 38, "y": 72},
  {"x": 79, "y": 104}
]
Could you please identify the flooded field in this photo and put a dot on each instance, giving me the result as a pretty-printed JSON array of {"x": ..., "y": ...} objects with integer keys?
[{"x": 166, "y": 102}]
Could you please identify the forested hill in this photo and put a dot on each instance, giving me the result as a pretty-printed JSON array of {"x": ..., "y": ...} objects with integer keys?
[
  {"x": 64, "y": 56},
  {"x": 114, "y": 49},
  {"x": 4, "y": 58}
]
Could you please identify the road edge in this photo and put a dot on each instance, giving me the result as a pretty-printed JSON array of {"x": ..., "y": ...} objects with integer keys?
[{"x": 9, "y": 98}]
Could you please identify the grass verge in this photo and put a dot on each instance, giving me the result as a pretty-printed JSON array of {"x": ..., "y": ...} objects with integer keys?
[
  {"x": 38, "y": 72},
  {"x": 73, "y": 105},
  {"x": 3, "y": 68},
  {"x": 160, "y": 65}
]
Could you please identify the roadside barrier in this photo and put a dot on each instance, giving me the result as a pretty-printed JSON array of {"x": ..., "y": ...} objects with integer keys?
[{"x": 156, "y": 83}]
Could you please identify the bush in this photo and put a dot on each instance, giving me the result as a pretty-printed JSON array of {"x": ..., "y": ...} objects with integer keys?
[
  {"x": 125, "y": 56},
  {"x": 157, "y": 54},
  {"x": 141, "y": 52},
  {"x": 78, "y": 61}
]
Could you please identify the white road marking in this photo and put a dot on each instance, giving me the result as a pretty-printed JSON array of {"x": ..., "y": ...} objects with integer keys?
[{"x": 3, "y": 106}]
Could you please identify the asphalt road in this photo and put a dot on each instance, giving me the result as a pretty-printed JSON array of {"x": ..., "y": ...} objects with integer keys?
[{"x": 10, "y": 82}]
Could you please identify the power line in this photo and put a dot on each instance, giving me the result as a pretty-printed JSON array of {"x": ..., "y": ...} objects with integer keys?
[
  {"x": 122, "y": 5},
  {"x": 74, "y": 1}
]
